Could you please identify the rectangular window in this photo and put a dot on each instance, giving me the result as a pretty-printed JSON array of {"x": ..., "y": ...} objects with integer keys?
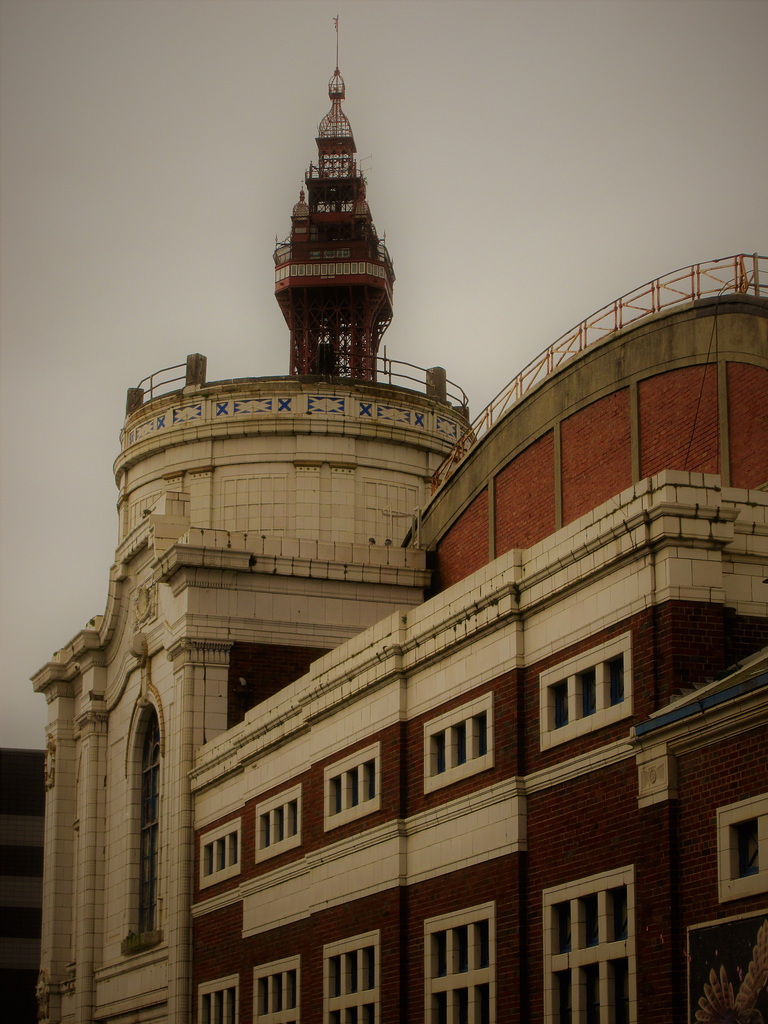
[
  {"x": 586, "y": 692},
  {"x": 220, "y": 853},
  {"x": 616, "y": 669},
  {"x": 563, "y": 997},
  {"x": 560, "y": 693},
  {"x": 619, "y": 912},
  {"x": 595, "y": 964},
  {"x": 438, "y": 753},
  {"x": 460, "y": 967},
  {"x": 459, "y": 743},
  {"x": 748, "y": 847},
  {"x": 591, "y": 975},
  {"x": 742, "y": 848},
  {"x": 620, "y": 976},
  {"x": 353, "y": 787},
  {"x": 589, "y": 917},
  {"x": 460, "y": 734},
  {"x": 351, "y": 980},
  {"x": 370, "y": 779},
  {"x": 278, "y": 823},
  {"x": 277, "y": 992},
  {"x": 217, "y": 1001},
  {"x": 563, "y": 911},
  {"x": 480, "y": 734}
]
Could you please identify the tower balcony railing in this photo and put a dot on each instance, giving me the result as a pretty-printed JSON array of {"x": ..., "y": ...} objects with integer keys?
[
  {"x": 740, "y": 274},
  {"x": 173, "y": 379}
]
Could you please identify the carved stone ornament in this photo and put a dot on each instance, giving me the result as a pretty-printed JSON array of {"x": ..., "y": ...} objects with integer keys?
[
  {"x": 50, "y": 763},
  {"x": 138, "y": 647},
  {"x": 42, "y": 994},
  {"x": 144, "y": 605},
  {"x": 657, "y": 779}
]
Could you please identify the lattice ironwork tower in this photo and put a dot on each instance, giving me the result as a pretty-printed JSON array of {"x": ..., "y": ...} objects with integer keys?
[{"x": 333, "y": 276}]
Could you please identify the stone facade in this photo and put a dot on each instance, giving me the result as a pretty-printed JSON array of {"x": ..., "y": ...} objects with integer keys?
[{"x": 256, "y": 523}]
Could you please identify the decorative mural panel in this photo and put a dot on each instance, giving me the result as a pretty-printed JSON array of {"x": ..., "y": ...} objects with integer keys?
[{"x": 728, "y": 972}]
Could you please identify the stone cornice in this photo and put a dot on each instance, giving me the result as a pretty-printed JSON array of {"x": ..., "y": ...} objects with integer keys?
[
  {"x": 84, "y": 651},
  {"x": 664, "y": 514},
  {"x": 199, "y": 652},
  {"x": 287, "y": 557}
]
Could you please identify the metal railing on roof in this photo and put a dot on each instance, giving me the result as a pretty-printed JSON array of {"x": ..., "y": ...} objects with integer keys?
[
  {"x": 740, "y": 274},
  {"x": 388, "y": 371}
]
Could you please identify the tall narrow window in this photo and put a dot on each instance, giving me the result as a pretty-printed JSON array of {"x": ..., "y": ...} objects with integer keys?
[{"x": 150, "y": 810}]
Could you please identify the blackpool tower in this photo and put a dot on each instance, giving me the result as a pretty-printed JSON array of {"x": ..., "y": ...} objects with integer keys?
[{"x": 333, "y": 275}]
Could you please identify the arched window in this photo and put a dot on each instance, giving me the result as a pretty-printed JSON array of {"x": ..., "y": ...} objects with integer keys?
[{"x": 150, "y": 811}]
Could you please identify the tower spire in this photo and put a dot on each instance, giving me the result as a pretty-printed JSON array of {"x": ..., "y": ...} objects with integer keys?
[{"x": 333, "y": 276}]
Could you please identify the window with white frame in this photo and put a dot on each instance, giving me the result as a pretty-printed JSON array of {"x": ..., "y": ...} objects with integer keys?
[
  {"x": 218, "y": 1001},
  {"x": 589, "y": 950},
  {"x": 278, "y": 823},
  {"x": 277, "y": 992},
  {"x": 353, "y": 787},
  {"x": 742, "y": 848},
  {"x": 458, "y": 743},
  {"x": 351, "y": 980},
  {"x": 587, "y": 692},
  {"x": 220, "y": 853},
  {"x": 460, "y": 967}
]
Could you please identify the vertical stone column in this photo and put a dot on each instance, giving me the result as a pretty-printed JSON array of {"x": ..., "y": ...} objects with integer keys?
[
  {"x": 193, "y": 661},
  {"x": 307, "y": 500},
  {"x": 58, "y": 850},
  {"x": 200, "y": 485},
  {"x": 92, "y": 727},
  {"x": 659, "y": 939},
  {"x": 338, "y": 523}
]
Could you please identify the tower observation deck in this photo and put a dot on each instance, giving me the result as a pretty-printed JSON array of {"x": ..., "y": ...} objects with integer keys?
[{"x": 333, "y": 275}]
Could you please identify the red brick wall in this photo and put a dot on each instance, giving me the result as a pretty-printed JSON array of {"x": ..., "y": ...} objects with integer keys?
[
  {"x": 595, "y": 454},
  {"x": 266, "y": 669},
  {"x": 216, "y": 940},
  {"x": 599, "y": 838},
  {"x": 732, "y": 769},
  {"x": 464, "y": 548},
  {"x": 690, "y": 639},
  {"x": 748, "y": 424},
  {"x": 672, "y": 847},
  {"x": 525, "y": 497},
  {"x": 221, "y": 950},
  {"x": 673, "y": 435},
  {"x": 500, "y": 880},
  {"x": 744, "y": 635}
]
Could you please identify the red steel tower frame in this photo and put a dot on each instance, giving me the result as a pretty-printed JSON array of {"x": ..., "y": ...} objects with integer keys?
[{"x": 333, "y": 276}]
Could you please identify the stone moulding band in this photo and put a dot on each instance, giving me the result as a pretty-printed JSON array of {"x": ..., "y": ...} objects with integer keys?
[{"x": 215, "y": 410}]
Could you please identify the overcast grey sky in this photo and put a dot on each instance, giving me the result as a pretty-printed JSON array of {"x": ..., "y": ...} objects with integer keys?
[{"x": 529, "y": 162}]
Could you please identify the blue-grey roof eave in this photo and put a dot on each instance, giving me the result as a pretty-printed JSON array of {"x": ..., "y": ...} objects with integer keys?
[{"x": 702, "y": 704}]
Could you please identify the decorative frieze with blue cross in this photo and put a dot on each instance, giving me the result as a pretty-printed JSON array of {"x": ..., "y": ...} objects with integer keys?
[
  {"x": 394, "y": 414},
  {"x": 326, "y": 404},
  {"x": 329, "y": 405},
  {"x": 187, "y": 413},
  {"x": 446, "y": 427}
]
